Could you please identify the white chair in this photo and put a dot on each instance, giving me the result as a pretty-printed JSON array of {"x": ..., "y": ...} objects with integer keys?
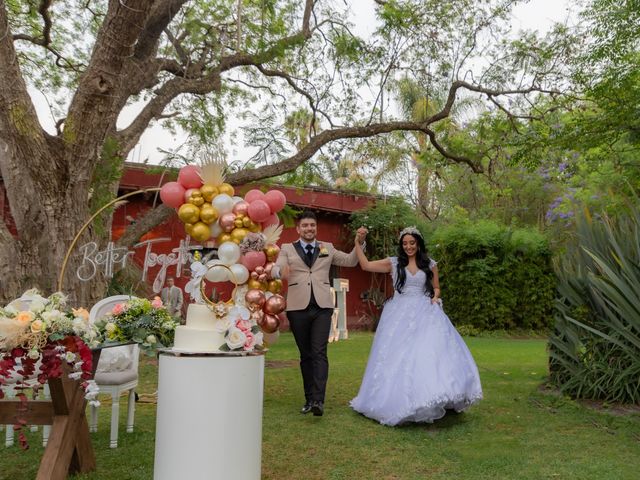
[
  {"x": 117, "y": 372},
  {"x": 23, "y": 303}
]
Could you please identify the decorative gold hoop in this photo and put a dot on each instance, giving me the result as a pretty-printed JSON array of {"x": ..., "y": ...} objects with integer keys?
[
  {"x": 233, "y": 293},
  {"x": 88, "y": 222}
]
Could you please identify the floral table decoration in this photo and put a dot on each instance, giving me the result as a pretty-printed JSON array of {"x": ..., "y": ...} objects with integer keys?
[
  {"x": 42, "y": 338},
  {"x": 142, "y": 321}
]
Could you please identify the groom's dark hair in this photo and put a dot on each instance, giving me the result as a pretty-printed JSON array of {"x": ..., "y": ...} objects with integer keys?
[{"x": 306, "y": 214}]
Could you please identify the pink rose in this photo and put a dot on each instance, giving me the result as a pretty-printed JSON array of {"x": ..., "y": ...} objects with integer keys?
[
  {"x": 157, "y": 302},
  {"x": 118, "y": 309},
  {"x": 250, "y": 342},
  {"x": 244, "y": 325}
]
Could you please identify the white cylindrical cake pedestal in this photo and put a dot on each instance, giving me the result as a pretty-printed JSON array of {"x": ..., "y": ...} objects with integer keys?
[{"x": 209, "y": 416}]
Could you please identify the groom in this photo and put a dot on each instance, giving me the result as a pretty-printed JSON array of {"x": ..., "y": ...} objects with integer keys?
[{"x": 306, "y": 264}]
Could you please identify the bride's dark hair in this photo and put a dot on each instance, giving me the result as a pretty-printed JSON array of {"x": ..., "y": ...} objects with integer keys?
[{"x": 422, "y": 261}]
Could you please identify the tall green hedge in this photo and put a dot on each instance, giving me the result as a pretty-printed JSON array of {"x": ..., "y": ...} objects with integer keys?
[{"x": 494, "y": 277}]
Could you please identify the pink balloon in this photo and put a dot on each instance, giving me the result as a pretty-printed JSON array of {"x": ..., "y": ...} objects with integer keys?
[
  {"x": 259, "y": 211},
  {"x": 271, "y": 220},
  {"x": 172, "y": 194},
  {"x": 252, "y": 195},
  {"x": 275, "y": 199},
  {"x": 251, "y": 260},
  {"x": 189, "y": 177}
]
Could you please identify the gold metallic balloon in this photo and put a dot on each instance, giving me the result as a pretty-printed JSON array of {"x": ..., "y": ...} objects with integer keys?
[
  {"x": 188, "y": 227},
  {"x": 208, "y": 192},
  {"x": 246, "y": 222},
  {"x": 223, "y": 237},
  {"x": 226, "y": 188},
  {"x": 189, "y": 213},
  {"x": 255, "y": 227},
  {"x": 274, "y": 286},
  {"x": 239, "y": 223},
  {"x": 237, "y": 234},
  {"x": 272, "y": 252},
  {"x": 200, "y": 232},
  {"x": 208, "y": 213},
  {"x": 255, "y": 284},
  {"x": 196, "y": 198}
]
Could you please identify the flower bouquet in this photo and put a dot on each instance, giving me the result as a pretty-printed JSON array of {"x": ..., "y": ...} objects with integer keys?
[
  {"x": 40, "y": 338},
  {"x": 139, "y": 320}
]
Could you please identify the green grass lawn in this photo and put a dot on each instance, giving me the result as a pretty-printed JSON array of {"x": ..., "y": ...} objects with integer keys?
[{"x": 516, "y": 432}]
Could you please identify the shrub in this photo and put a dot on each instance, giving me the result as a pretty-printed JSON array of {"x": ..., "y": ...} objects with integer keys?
[
  {"x": 595, "y": 347},
  {"x": 494, "y": 277}
]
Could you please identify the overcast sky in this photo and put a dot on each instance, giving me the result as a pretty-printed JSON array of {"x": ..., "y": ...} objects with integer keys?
[{"x": 535, "y": 14}]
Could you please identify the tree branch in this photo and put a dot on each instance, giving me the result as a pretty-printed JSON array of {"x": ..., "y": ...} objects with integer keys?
[
  {"x": 150, "y": 220},
  {"x": 98, "y": 99}
]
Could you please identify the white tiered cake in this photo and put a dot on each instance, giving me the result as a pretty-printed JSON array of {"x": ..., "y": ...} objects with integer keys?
[{"x": 200, "y": 333}]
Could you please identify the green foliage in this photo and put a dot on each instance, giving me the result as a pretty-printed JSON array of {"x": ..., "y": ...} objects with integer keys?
[
  {"x": 385, "y": 219},
  {"x": 141, "y": 321},
  {"x": 595, "y": 347},
  {"x": 494, "y": 277}
]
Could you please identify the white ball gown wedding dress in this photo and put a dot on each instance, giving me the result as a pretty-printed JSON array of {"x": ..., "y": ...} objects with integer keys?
[{"x": 419, "y": 366}]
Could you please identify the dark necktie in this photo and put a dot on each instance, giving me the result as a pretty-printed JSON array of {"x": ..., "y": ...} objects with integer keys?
[{"x": 309, "y": 254}]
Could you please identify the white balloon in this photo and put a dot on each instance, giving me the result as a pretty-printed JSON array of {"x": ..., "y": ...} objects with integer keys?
[
  {"x": 215, "y": 229},
  {"x": 241, "y": 273},
  {"x": 239, "y": 311},
  {"x": 237, "y": 199},
  {"x": 223, "y": 203},
  {"x": 217, "y": 273},
  {"x": 229, "y": 253}
]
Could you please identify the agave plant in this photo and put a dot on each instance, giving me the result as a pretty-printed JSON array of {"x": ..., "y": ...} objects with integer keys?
[{"x": 595, "y": 347}]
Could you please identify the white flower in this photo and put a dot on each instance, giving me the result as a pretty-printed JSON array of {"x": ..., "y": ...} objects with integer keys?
[
  {"x": 259, "y": 338},
  {"x": 223, "y": 324},
  {"x": 37, "y": 305},
  {"x": 235, "y": 338},
  {"x": 110, "y": 327},
  {"x": 75, "y": 375},
  {"x": 11, "y": 310},
  {"x": 151, "y": 339},
  {"x": 51, "y": 316},
  {"x": 69, "y": 357},
  {"x": 34, "y": 354},
  {"x": 78, "y": 325}
]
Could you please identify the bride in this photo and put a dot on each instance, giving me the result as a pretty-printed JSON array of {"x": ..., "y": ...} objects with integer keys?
[{"x": 419, "y": 366}]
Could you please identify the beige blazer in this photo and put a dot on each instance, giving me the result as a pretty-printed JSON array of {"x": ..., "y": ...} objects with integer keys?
[{"x": 303, "y": 278}]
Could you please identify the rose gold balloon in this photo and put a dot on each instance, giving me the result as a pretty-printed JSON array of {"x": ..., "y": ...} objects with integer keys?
[
  {"x": 259, "y": 270},
  {"x": 275, "y": 304},
  {"x": 269, "y": 323},
  {"x": 267, "y": 268},
  {"x": 262, "y": 277},
  {"x": 227, "y": 222},
  {"x": 254, "y": 275},
  {"x": 255, "y": 297},
  {"x": 257, "y": 315},
  {"x": 241, "y": 208}
]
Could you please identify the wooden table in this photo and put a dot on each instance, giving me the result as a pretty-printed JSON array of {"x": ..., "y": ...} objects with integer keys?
[{"x": 69, "y": 448}]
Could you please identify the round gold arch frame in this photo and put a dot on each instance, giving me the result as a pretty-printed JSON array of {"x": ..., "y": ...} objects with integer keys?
[{"x": 88, "y": 222}]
